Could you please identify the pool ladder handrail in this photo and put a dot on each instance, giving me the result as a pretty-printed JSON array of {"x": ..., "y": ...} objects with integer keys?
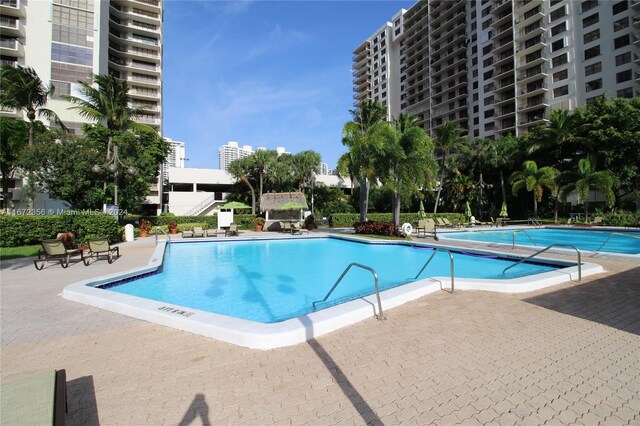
[
  {"x": 380, "y": 315},
  {"x": 534, "y": 221},
  {"x": 163, "y": 231},
  {"x": 513, "y": 238},
  {"x": 451, "y": 266},
  {"x": 545, "y": 249}
]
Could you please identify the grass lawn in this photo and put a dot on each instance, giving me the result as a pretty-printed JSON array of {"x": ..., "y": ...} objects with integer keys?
[{"x": 16, "y": 252}]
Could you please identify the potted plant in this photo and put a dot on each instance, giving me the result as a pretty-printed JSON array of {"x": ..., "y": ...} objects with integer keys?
[
  {"x": 309, "y": 222},
  {"x": 258, "y": 222},
  {"x": 172, "y": 226},
  {"x": 145, "y": 228}
]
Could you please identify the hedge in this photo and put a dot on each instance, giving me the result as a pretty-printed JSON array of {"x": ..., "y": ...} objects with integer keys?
[
  {"x": 244, "y": 221},
  {"x": 24, "y": 230},
  {"x": 347, "y": 220}
]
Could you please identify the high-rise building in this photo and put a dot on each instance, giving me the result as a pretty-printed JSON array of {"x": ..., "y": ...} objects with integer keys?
[
  {"x": 323, "y": 169},
  {"x": 232, "y": 151},
  {"x": 176, "y": 157},
  {"x": 67, "y": 41},
  {"x": 498, "y": 66}
]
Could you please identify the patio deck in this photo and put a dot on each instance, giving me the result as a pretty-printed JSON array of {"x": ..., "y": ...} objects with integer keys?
[{"x": 567, "y": 354}]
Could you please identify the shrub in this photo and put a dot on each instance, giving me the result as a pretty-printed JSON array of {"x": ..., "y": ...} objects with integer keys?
[
  {"x": 258, "y": 221},
  {"x": 165, "y": 218},
  {"x": 309, "y": 220},
  {"x": 347, "y": 220},
  {"x": 375, "y": 228},
  {"x": 145, "y": 225}
]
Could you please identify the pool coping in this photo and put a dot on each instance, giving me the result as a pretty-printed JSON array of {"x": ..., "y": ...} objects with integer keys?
[
  {"x": 589, "y": 253},
  {"x": 258, "y": 335}
]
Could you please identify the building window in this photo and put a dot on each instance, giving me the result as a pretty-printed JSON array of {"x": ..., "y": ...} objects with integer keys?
[
  {"x": 620, "y": 7},
  {"x": 591, "y": 36},
  {"x": 487, "y": 49},
  {"x": 625, "y": 93},
  {"x": 489, "y": 126},
  {"x": 71, "y": 54},
  {"x": 487, "y": 61},
  {"x": 592, "y": 69},
  {"x": 621, "y": 41},
  {"x": 560, "y": 75},
  {"x": 623, "y": 76},
  {"x": 488, "y": 100},
  {"x": 560, "y": 28},
  {"x": 487, "y": 75},
  {"x": 489, "y": 113},
  {"x": 621, "y": 24},
  {"x": 592, "y": 52},
  {"x": 557, "y": 45},
  {"x": 590, "y": 20},
  {"x": 559, "y": 60},
  {"x": 593, "y": 85},
  {"x": 625, "y": 58},
  {"x": 561, "y": 91},
  {"x": 61, "y": 88},
  {"x": 588, "y": 5},
  {"x": 558, "y": 13}
]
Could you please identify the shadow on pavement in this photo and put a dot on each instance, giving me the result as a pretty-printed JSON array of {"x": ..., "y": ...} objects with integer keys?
[
  {"x": 198, "y": 408},
  {"x": 82, "y": 407},
  {"x": 613, "y": 301}
]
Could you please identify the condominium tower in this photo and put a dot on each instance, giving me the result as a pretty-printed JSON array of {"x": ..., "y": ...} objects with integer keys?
[
  {"x": 498, "y": 66},
  {"x": 67, "y": 41}
]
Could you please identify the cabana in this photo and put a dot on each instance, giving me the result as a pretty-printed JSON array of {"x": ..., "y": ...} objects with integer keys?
[{"x": 283, "y": 206}]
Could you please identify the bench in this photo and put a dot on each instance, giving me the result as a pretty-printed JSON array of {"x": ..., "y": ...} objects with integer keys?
[{"x": 36, "y": 400}]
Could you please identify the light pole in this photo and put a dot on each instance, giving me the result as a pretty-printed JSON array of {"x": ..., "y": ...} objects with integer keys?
[
  {"x": 112, "y": 165},
  {"x": 313, "y": 181},
  {"x": 482, "y": 184}
]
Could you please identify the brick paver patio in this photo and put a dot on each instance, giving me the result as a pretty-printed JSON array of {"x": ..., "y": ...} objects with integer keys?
[{"x": 567, "y": 355}]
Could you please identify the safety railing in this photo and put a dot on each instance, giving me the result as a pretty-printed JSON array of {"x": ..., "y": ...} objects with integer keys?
[
  {"x": 545, "y": 249},
  {"x": 451, "y": 265},
  {"x": 533, "y": 221},
  {"x": 515, "y": 233},
  {"x": 380, "y": 315},
  {"x": 163, "y": 231}
]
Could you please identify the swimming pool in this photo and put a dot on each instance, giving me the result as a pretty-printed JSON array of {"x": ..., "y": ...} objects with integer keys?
[
  {"x": 260, "y": 293},
  {"x": 604, "y": 240}
]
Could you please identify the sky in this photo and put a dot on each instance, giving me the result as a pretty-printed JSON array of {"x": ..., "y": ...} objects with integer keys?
[{"x": 263, "y": 73}]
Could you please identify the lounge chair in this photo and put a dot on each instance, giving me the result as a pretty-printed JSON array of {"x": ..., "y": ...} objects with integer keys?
[
  {"x": 54, "y": 250},
  {"x": 100, "y": 247},
  {"x": 286, "y": 227},
  {"x": 198, "y": 232},
  {"x": 445, "y": 222},
  {"x": 598, "y": 220},
  {"x": 211, "y": 233},
  {"x": 187, "y": 234},
  {"x": 233, "y": 230},
  {"x": 427, "y": 226}
]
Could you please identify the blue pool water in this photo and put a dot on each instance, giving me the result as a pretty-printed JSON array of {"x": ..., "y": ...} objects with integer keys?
[
  {"x": 625, "y": 242},
  {"x": 274, "y": 280}
]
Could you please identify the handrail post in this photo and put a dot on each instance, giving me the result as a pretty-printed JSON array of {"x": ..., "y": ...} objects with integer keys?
[
  {"x": 161, "y": 230},
  {"x": 579, "y": 255},
  {"x": 451, "y": 263}
]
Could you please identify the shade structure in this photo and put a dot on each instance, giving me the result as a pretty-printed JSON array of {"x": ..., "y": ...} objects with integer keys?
[
  {"x": 421, "y": 213},
  {"x": 291, "y": 205},
  {"x": 234, "y": 205},
  {"x": 467, "y": 211},
  {"x": 503, "y": 211}
]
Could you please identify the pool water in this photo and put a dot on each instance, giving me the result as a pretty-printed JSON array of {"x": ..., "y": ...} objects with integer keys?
[
  {"x": 623, "y": 242},
  {"x": 274, "y": 280}
]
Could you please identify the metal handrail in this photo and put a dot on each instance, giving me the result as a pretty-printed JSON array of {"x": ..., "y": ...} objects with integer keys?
[
  {"x": 547, "y": 248},
  {"x": 380, "y": 315},
  {"x": 161, "y": 230},
  {"x": 534, "y": 221},
  {"x": 201, "y": 206},
  {"x": 513, "y": 238},
  {"x": 435, "y": 250},
  {"x": 605, "y": 242}
]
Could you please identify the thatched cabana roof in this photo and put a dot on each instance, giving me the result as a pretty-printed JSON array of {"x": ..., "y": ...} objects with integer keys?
[{"x": 270, "y": 201}]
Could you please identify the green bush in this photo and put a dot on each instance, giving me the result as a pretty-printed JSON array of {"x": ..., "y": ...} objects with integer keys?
[
  {"x": 617, "y": 218},
  {"x": 23, "y": 230},
  {"x": 347, "y": 220},
  {"x": 164, "y": 219},
  {"x": 375, "y": 228}
]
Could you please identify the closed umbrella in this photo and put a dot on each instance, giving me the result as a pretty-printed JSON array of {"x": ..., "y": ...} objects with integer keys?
[
  {"x": 467, "y": 211},
  {"x": 503, "y": 211},
  {"x": 421, "y": 213}
]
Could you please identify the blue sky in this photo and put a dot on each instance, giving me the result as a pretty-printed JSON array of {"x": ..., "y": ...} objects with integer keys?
[{"x": 263, "y": 73}]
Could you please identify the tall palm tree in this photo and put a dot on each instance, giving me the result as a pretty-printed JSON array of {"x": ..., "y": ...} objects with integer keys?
[
  {"x": 304, "y": 164},
  {"x": 586, "y": 179},
  {"x": 108, "y": 103},
  {"x": 559, "y": 138},
  {"x": 448, "y": 141},
  {"x": 363, "y": 137},
  {"x": 262, "y": 161},
  {"x": 21, "y": 88},
  {"x": 534, "y": 180}
]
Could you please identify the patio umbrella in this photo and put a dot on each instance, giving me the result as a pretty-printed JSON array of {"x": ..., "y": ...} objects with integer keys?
[
  {"x": 467, "y": 211},
  {"x": 291, "y": 205},
  {"x": 503, "y": 211},
  {"x": 234, "y": 205},
  {"x": 421, "y": 213}
]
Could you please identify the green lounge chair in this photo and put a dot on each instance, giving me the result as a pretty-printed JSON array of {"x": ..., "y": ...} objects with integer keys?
[
  {"x": 100, "y": 247},
  {"x": 54, "y": 250},
  {"x": 427, "y": 226}
]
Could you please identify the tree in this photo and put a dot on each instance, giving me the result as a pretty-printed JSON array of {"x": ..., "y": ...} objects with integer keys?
[
  {"x": 262, "y": 161},
  {"x": 304, "y": 165},
  {"x": 588, "y": 178},
  {"x": 21, "y": 88},
  {"x": 14, "y": 137},
  {"x": 506, "y": 149},
  {"x": 448, "y": 141},
  {"x": 534, "y": 180},
  {"x": 242, "y": 169},
  {"x": 363, "y": 137},
  {"x": 407, "y": 162}
]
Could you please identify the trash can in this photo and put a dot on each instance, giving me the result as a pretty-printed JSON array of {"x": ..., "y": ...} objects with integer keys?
[{"x": 128, "y": 232}]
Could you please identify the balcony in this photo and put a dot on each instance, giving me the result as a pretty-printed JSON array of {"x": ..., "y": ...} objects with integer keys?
[
  {"x": 524, "y": 6},
  {"x": 532, "y": 30},
  {"x": 11, "y": 47},
  {"x": 534, "y": 90},
  {"x": 363, "y": 95},
  {"x": 533, "y": 121},
  {"x": 504, "y": 71},
  {"x": 635, "y": 39},
  {"x": 11, "y": 26},
  {"x": 13, "y": 8},
  {"x": 505, "y": 84},
  {"x": 502, "y": 59},
  {"x": 531, "y": 74},
  {"x": 635, "y": 4},
  {"x": 531, "y": 45},
  {"x": 533, "y": 104},
  {"x": 532, "y": 60},
  {"x": 144, "y": 94},
  {"x": 502, "y": 100}
]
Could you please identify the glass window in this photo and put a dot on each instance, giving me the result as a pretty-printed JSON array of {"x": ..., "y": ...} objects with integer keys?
[
  {"x": 623, "y": 76},
  {"x": 560, "y": 75},
  {"x": 560, "y": 28},
  {"x": 558, "y": 13},
  {"x": 620, "y": 7},
  {"x": 559, "y": 60},
  {"x": 590, "y": 20},
  {"x": 557, "y": 45},
  {"x": 625, "y": 58},
  {"x": 592, "y": 52},
  {"x": 561, "y": 91},
  {"x": 621, "y": 24},
  {"x": 592, "y": 69},
  {"x": 71, "y": 54},
  {"x": 625, "y": 93},
  {"x": 593, "y": 85},
  {"x": 588, "y": 5},
  {"x": 621, "y": 41},
  {"x": 591, "y": 36}
]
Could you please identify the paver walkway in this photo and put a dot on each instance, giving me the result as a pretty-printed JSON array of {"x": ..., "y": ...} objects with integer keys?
[{"x": 566, "y": 355}]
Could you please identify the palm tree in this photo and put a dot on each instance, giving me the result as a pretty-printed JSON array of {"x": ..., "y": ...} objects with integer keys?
[
  {"x": 262, "y": 161},
  {"x": 586, "y": 179},
  {"x": 506, "y": 149},
  {"x": 448, "y": 140},
  {"x": 559, "y": 138},
  {"x": 362, "y": 137},
  {"x": 22, "y": 89},
  {"x": 304, "y": 164},
  {"x": 241, "y": 169},
  {"x": 534, "y": 180},
  {"x": 108, "y": 103}
]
